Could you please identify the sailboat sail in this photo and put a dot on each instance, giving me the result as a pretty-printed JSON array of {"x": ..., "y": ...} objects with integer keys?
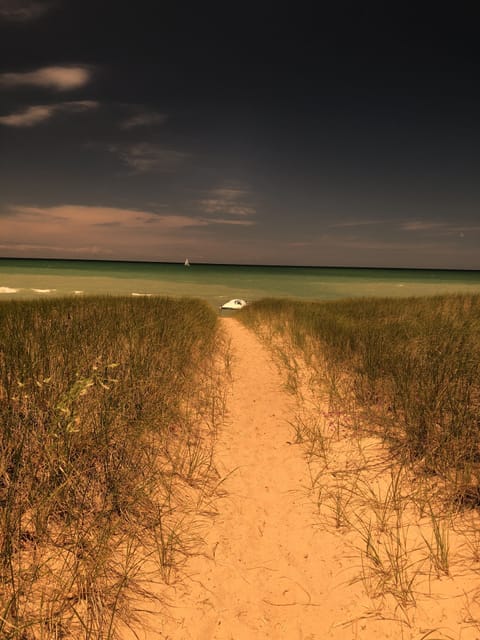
[{"x": 187, "y": 263}]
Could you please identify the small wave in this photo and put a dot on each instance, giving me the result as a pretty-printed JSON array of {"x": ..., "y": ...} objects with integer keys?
[
  {"x": 147, "y": 295},
  {"x": 43, "y": 290},
  {"x": 8, "y": 290}
]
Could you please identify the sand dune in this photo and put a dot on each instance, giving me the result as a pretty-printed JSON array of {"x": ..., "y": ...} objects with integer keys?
[{"x": 270, "y": 567}]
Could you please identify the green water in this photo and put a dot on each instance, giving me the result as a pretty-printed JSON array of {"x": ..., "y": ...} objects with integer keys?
[{"x": 20, "y": 279}]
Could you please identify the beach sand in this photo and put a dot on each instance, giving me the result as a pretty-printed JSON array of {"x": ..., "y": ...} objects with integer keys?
[{"x": 272, "y": 566}]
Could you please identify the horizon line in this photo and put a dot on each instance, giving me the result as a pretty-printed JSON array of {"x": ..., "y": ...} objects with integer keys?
[{"x": 236, "y": 264}]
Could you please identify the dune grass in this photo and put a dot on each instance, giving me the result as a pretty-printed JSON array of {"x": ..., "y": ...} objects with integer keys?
[
  {"x": 408, "y": 368},
  {"x": 388, "y": 413},
  {"x": 108, "y": 410}
]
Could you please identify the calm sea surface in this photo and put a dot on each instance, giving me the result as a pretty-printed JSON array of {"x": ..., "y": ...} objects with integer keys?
[{"x": 219, "y": 283}]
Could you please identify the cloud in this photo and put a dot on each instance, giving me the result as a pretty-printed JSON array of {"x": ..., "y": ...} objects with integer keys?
[
  {"x": 230, "y": 193},
  {"x": 71, "y": 229},
  {"x": 419, "y": 225},
  {"x": 33, "y": 248},
  {"x": 28, "y": 117},
  {"x": 435, "y": 228},
  {"x": 59, "y": 78},
  {"x": 147, "y": 118},
  {"x": 440, "y": 228},
  {"x": 212, "y": 206},
  {"x": 145, "y": 157},
  {"x": 299, "y": 244},
  {"x": 242, "y": 223},
  {"x": 355, "y": 223},
  {"x": 18, "y": 11},
  {"x": 231, "y": 201},
  {"x": 88, "y": 216},
  {"x": 82, "y": 216},
  {"x": 33, "y": 115}
]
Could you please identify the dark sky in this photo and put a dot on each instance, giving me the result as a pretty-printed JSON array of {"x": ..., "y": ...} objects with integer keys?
[{"x": 300, "y": 133}]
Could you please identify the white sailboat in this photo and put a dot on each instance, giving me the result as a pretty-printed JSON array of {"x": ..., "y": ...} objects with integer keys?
[{"x": 187, "y": 263}]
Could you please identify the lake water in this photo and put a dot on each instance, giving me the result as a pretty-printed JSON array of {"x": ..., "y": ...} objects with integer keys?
[{"x": 20, "y": 279}]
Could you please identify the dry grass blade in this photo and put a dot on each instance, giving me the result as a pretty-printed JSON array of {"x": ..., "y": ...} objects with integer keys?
[{"x": 109, "y": 409}]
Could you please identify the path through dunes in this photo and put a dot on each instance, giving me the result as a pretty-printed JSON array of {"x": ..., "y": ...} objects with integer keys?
[
  {"x": 264, "y": 577},
  {"x": 267, "y": 572},
  {"x": 268, "y": 568}
]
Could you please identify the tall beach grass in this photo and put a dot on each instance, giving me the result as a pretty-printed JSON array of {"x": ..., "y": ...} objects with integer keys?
[
  {"x": 407, "y": 368},
  {"x": 108, "y": 410}
]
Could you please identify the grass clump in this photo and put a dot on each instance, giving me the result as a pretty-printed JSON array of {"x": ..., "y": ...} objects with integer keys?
[
  {"x": 406, "y": 367},
  {"x": 108, "y": 410}
]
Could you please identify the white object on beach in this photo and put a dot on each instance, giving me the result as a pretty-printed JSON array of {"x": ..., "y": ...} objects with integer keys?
[
  {"x": 187, "y": 263},
  {"x": 234, "y": 304}
]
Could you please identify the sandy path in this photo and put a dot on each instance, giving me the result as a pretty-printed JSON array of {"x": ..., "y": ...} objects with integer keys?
[
  {"x": 266, "y": 572},
  {"x": 270, "y": 569}
]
